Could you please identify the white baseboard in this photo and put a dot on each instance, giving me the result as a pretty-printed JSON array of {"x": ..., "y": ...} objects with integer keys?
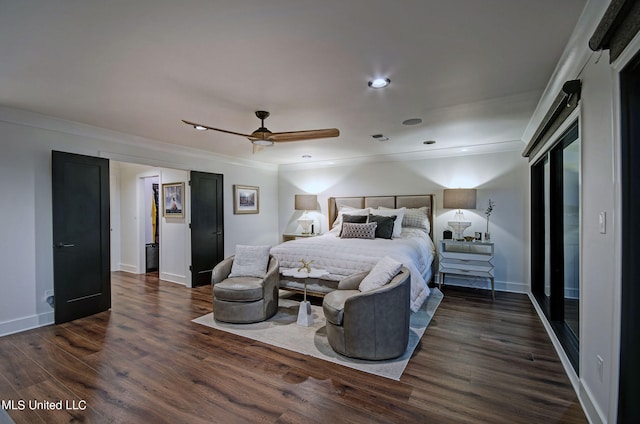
[
  {"x": 591, "y": 410},
  {"x": 26, "y": 323},
  {"x": 129, "y": 268},
  {"x": 173, "y": 278}
]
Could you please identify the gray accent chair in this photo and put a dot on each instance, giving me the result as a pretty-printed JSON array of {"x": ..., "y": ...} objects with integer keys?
[
  {"x": 372, "y": 325},
  {"x": 244, "y": 300}
]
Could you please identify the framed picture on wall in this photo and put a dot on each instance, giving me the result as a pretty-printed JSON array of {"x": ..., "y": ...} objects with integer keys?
[
  {"x": 173, "y": 195},
  {"x": 246, "y": 199}
]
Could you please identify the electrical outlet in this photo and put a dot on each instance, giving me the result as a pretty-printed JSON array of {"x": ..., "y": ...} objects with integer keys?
[{"x": 600, "y": 365}]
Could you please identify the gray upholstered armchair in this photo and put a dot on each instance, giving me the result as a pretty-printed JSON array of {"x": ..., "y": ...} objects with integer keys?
[
  {"x": 370, "y": 325},
  {"x": 244, "y": 299}
]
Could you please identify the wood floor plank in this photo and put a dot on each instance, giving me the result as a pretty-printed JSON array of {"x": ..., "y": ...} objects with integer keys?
[{"x": 145, "y": 361}]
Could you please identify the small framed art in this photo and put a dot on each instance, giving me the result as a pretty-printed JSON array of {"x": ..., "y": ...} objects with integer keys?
[
  {"x": 246, "y": 199},
  {"x": 173, "y": 195}
]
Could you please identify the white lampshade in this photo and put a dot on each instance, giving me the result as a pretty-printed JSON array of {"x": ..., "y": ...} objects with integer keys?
[
  {"x": 306, "y": 202},
  {"x": 459, "y": 198}
]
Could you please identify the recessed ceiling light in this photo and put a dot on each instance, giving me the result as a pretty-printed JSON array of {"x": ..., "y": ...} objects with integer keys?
[
  {"x": 412, "y": 121},
  {"x": 379, "y": 82},
  {"x": 429, "y": 142},
  {"x": 199, "y": 127}
]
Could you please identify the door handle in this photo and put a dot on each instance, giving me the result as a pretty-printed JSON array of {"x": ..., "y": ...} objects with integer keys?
[
  {"x": 219, "y": 233},
  {"x": 61, "y": 245}
]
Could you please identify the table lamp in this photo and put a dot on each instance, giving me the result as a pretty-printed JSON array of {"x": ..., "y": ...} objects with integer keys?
[
  {"x": 305, "y": 202},
  {"x": 459, "y": 198}
]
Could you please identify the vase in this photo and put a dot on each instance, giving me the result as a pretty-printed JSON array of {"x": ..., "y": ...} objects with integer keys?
[{"x": 487, "y": 234}]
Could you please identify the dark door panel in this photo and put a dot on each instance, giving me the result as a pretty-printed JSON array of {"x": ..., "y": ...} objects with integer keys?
[
  {"x": 81, "y": 245},
  {"x": 629, "y": 385},
  {"x": 207, "y": 227}
]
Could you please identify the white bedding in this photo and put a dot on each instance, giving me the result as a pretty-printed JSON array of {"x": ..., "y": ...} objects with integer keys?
[{"x": 342, "y": 257}]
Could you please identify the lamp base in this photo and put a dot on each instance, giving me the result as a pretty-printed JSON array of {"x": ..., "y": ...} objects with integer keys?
[
  {"x": 306, "y": 225},
  {"x": 458, "y": 228}
]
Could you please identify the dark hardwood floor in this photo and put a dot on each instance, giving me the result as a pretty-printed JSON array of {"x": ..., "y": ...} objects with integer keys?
[{"x": 480, "y": 361}]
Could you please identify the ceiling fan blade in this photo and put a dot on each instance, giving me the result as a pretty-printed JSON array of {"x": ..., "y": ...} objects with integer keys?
[
  {"x": 193, "y": 124},
  {"x": 303, "y": 135}
]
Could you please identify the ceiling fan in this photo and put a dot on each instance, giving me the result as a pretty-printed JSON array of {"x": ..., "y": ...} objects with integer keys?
[{"x": 263, "y": 137}]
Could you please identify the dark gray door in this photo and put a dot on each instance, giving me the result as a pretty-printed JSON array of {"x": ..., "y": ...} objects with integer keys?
[
  {"x": 629, "y": 386},
  {"x": 207, "y": 227},
  {"x": 81, "y": 239}
]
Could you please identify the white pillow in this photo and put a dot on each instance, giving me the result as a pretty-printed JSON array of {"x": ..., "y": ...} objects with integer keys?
[
  {"x": 416, "y": 217},
  {"x": 250, "y": 261},
  {"x": 399, "y": 213},
  {"x": 381, "y": 274},
  {"x": 349, "y": 211}
]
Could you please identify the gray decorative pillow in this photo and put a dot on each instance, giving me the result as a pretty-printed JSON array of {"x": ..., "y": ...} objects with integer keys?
[
  {"x": 353, "y": 230},
  {"x": 385, "y": 225},
  {"x": 250, "y": 261},
  {"x": 381, "y": 274},
  {"x": 399, "y": 214},
  {"x": 358, "y": 219}
]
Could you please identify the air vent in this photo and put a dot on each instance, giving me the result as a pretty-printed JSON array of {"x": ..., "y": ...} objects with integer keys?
[
  {"x": 412, "y": 121},
  {"x": 379, "y": 137}
]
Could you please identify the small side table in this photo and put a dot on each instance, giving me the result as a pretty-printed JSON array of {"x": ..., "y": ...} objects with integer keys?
[
  {"x": 305, "y": 317},
  {"x": 293, "y": 236},
  {"x": 466, "y": 258}
]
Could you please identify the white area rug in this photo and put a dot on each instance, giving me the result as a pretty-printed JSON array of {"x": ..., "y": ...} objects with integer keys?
[{"x": 281, "y": 330}]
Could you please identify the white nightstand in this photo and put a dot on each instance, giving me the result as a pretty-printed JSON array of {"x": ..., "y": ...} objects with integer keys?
[
  {"x": 293, "y": 236},
  {"x": 466, "y": 258}
]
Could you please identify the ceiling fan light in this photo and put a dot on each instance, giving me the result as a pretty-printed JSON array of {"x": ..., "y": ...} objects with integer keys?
[
  {"x": 200, "y": 128},
  {"x": 261, "y": 142},
  {"x": 379, "y": 82}
]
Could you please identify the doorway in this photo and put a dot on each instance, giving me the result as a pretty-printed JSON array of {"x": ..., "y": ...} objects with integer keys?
[
  {"x": 151, "y": 198},
  {"x": 555, "y": 238}
]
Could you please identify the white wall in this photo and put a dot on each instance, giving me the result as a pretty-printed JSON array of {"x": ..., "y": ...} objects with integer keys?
[
  {"x": 502, "y": 176},
  {"x": 26, "y": 260},
  {"x": 598, "y": 250},
  {"x": 175, "y": 237}
]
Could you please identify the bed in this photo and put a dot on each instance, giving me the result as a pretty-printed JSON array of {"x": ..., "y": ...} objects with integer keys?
[{"x": 413, "y": 245}]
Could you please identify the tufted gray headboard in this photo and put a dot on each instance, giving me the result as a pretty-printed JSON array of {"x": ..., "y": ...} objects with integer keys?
[{"x": 393, "y": 202}]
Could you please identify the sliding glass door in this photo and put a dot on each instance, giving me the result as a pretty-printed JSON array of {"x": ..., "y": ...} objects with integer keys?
[{"x": 555, "y": 258}]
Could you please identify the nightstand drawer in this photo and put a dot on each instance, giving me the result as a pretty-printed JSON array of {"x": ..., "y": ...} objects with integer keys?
[
  {"x": 458, "y": 271},
  {"x": 472, "y": 256},
  {"x": 460, "y": 264}
]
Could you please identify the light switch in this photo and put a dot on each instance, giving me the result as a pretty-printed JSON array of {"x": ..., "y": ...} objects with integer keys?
[{"x": 602, "y": 222}]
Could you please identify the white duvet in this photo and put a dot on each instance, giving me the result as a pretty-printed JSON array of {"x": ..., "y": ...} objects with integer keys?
[{"x": 343, "y": 257}]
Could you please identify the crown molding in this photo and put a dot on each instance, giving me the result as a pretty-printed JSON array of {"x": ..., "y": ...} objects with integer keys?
[{"x": 45, "y": 122}]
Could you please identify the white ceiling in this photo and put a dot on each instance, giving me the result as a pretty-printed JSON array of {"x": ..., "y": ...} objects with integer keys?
[{"x": 473, "y": 70}]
